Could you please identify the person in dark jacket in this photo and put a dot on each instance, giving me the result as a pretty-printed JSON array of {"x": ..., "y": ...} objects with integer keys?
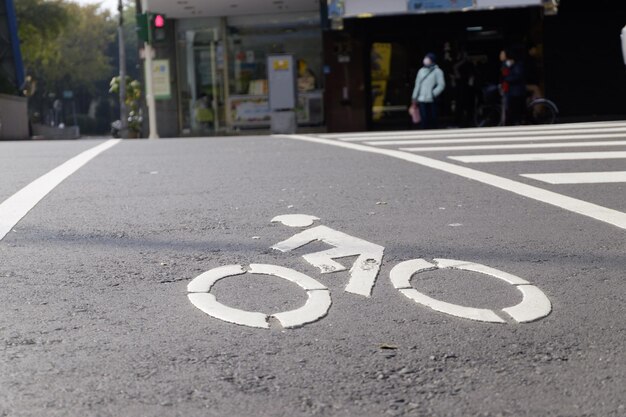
[{"x": 513, "y": 87}]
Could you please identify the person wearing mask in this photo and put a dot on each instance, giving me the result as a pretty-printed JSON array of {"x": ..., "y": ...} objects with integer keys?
[
  {"x": 513, "y": 88},
  {"x": 429, "y": 84}
]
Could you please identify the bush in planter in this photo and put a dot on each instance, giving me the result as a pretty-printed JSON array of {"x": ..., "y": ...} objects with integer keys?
[{"x": 133, "y": 95}]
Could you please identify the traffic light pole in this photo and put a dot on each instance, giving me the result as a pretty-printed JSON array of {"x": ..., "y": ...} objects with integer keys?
[
  {"x": 122, "y": 52},
  {"x": 150, "y": 100}
]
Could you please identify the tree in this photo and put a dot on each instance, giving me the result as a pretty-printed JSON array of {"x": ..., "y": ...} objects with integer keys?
[{"x": 39, "y": 35}]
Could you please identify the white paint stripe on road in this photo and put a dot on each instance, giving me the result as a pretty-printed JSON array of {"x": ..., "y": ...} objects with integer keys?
[
  {"x": 19, "y": 204},
  {"x": 513, "y": 129},
  {"x": 517, "y": 146},
  {"x": 497, "y": 139},
  {"x": 574, "y": 205},
  {"x": 529, "y": 157},
  {"x": 606, "y": 177},
  {"x": 577, "y": 134}
]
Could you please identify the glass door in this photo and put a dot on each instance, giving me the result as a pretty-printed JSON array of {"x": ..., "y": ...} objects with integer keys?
[
  {"x": 390, "y": 85},
  {"x": 203, "y": 92}
]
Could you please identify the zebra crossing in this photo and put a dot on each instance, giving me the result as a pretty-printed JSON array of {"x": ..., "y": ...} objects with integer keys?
[
  {"x": 535, "y": 157},
  {"x": 556, "y": 142}
]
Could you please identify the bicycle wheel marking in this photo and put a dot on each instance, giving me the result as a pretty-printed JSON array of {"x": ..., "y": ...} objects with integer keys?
[
  {"x": 363, "y": 273},
  {"x": 316, "y": 307},
  {"x": 534, "y": 306}
]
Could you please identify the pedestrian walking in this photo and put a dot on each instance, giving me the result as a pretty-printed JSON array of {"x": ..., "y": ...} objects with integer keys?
[
  {"x": 429, "y": 84},
  {"x": 513, "y": 87}
]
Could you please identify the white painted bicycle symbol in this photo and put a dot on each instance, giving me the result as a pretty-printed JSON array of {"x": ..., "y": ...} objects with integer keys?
[{"x": 535, "y": 304}]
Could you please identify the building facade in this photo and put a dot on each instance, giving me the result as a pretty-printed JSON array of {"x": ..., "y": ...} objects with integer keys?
[
  {"x": 358, "y": 59},
  {"x": 215, "y": 58}
]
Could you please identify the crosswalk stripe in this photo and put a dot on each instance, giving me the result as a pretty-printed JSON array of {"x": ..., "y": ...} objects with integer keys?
[
  {"x": 517, "y": 146},
  {"x": 580, "y": 177},
  {"x": 489, "y": 130},
  {"x": 618, "y": 132},
  {"x": 564, "y": 156},
  {"x": 496, "y": 140},
  {"x": 584, "y": 208}
]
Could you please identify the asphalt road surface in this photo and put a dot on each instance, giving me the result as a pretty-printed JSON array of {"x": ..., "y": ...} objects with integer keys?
[{"x": 106, "y": 309}]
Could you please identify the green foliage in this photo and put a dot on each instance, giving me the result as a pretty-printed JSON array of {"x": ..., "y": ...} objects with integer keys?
[
  {"x": 67, "y": 48},
  {"x": 133, "y": 95},
  {"x": 40, "y": 24}
]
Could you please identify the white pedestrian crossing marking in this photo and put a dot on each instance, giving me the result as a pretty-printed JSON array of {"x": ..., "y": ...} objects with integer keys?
[
  {"x": 516, "y": 146},
  {"x": 556, "y": 136},
  {"x": 527, "y": 157},
  {"x": 564, "y": 128},
  {"x": 580, "y": 177},
  {"x": 498, "y": 139}
]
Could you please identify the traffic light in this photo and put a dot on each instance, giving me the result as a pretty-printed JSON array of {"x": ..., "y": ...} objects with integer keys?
[
  {"x": 157, "y": 27},
  {"x": 151, "y": 27},
  {"x": 143, "y": 31}
]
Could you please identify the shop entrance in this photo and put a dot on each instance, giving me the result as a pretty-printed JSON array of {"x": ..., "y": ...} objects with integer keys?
[
  {"x": 467, "y": 47},
  {"x": 203, "y": 95}
]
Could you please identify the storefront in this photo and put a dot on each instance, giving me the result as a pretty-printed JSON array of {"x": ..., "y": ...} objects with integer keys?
[
  {"x": 374, "y": 57},
  {"x": 219, "y": 65},
  {"x": 223, "y": 70}
]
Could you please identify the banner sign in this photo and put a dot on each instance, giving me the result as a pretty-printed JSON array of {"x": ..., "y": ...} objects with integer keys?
[{"x": 430, "y": 5}]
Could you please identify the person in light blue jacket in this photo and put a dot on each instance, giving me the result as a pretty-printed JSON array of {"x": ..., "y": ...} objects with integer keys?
[{"x": 429, "y": 84}]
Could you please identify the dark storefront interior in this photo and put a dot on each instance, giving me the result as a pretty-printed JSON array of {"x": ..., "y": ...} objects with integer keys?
[{"x": 578, "y": 66}]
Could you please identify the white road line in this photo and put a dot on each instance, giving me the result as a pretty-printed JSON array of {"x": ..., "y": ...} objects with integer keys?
[
  {"x": 513, "y": 129},
  {"x": 517, "y": 146},
  {"x": 604, "y": 214},
  {"x": 525, "y": 157},
  {"x": 580, "y": 177},
  {"x": 498, "y": 139},
  {"x": 572, "y": 134},
  {"x": 19, "y": 204}
]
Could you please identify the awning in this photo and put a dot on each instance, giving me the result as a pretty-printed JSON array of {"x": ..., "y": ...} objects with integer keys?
[
  {"x": 368, "y": 8},
  {"x": 177, "y": 9}
]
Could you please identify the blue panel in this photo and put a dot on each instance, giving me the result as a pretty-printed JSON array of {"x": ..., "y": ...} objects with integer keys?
[
  {"x": 15, "y": 43},
  {"x": 427, "y": 5}
]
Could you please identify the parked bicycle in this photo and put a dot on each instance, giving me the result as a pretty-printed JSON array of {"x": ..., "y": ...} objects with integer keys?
[{"x": 489, "y": 110}]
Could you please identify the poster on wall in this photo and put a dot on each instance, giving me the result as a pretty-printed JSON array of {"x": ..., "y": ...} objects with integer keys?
[
  {"x": 381, "y": 69},
  {"x": 428, "y": 5}
]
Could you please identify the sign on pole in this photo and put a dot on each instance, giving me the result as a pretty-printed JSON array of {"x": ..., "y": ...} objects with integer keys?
[{"x": 161, "y": 86}]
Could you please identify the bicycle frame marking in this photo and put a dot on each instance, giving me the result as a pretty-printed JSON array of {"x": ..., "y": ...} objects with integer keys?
[
  {"x": 363, "y": 273},
  {"x": 534, "y": 306}
]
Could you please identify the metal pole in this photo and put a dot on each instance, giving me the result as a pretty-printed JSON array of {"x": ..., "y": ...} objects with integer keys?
[
  {"x": 150, "y": 100},
  {"x": 122, "y": 49}
]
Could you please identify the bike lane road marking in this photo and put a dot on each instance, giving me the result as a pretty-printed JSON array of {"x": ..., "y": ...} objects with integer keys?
[
  {"x": 13, "y": 209},
  {"x": 594, "y": 211}
]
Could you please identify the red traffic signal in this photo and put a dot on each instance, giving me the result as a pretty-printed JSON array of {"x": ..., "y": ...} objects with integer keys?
[
  {"x": 159, "y": 21},
  {"x": 157, "y": 28}
]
